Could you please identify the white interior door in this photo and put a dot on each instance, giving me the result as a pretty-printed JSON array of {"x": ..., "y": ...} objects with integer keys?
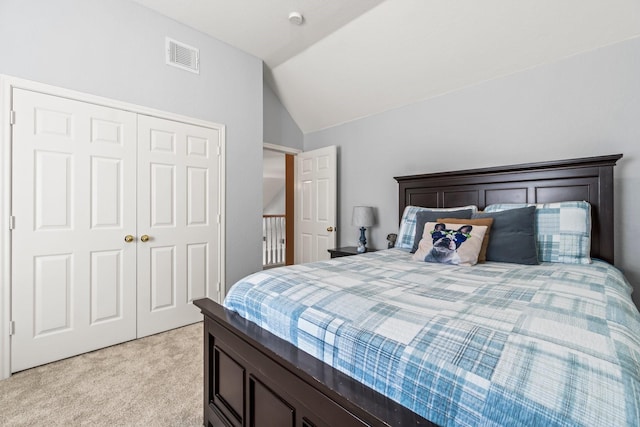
[
  {"x": 316, "y": 192},
  {"x": 73, "y": 275},
  {"x": 178, "y": 208}
]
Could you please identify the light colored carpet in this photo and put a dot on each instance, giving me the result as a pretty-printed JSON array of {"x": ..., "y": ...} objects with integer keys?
[{"x": 153, "y": 381}]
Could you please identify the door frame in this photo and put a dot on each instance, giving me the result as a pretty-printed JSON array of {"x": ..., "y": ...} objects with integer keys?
[
  {"x": 7, "y": 84},
  {"x": 290, "y": 177}
]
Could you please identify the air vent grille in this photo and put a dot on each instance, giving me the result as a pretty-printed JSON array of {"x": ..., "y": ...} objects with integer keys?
[{"x": 183, "y": 56}]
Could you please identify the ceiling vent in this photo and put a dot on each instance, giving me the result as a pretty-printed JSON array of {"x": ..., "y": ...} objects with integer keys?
[{"x": 183, "y": 56}]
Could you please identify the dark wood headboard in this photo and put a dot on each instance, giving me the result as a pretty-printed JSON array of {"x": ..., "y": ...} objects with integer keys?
[{"x": 589, "y": 179}]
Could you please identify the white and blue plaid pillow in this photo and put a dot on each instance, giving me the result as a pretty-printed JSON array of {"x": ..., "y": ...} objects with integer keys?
[
  {"x": 407, "y": 231},
  {"x": 563, "y": 230}
]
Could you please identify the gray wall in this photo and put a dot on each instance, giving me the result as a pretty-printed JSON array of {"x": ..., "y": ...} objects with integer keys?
[
  {"x": 115, "y": 49},
  {"x": 276, "y": 189},
  {"x": 279, "y": 127},
  {"x": 585, "y": 105}
]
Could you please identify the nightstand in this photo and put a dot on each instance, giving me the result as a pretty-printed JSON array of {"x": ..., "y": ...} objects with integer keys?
[{"x": 346, "y": 251}]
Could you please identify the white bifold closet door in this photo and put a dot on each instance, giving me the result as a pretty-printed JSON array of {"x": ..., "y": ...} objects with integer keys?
[
  {"x": 84, "y": 177},
  {"x": 73, "y": 276},
  {"x": 177, "y": 210}
]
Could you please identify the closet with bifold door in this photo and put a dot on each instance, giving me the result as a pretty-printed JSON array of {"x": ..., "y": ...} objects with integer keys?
[{"x": 116, "y": 224}]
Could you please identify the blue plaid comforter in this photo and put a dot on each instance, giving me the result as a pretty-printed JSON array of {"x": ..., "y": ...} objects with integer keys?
[{"x": 495, "y": 344}]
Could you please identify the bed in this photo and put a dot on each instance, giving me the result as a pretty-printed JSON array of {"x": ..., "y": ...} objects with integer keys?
[{"x": 253, "y": 377}]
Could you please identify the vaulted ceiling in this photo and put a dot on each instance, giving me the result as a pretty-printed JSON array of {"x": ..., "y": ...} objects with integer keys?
[{"x": 354, "y": 58}]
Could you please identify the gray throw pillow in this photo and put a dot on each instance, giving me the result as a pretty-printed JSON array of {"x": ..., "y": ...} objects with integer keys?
[
  {"x": 513, "y": 236},
  {"x": 425, "y": 216}
]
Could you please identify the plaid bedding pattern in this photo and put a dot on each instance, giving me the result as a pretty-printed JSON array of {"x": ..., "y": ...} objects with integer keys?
[
  {"x": 492, "y": 345},
  {"x": 407, "y": 230},
  {"x": 563, "y": 230}
]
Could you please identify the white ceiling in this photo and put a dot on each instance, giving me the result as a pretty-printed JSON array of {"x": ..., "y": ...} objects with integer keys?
[
  {"x": 351, "y": 59},
  {"x": 262, "y": 27}
]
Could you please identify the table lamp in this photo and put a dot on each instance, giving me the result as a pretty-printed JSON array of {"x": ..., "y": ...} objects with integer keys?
[{"x": 362, "y": 217}]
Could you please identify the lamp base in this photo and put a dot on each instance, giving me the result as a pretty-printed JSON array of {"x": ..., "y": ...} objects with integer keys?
[{"x": 362, "y": 244}]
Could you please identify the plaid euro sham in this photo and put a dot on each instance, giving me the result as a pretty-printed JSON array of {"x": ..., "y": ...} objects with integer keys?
[
  {"x": 407, "y": 231},
  {"x": 563, "y": 230},
  {"x": 495, "y": 344}
]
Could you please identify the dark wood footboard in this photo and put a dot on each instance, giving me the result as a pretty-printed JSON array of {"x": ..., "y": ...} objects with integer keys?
[{"x": 253, "y": 378}]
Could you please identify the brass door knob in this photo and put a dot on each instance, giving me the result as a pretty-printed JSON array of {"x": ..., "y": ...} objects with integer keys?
[
  {"x": 329, "y": 229},
  {"x": 144, "y": 238},
  {"x": 129, "y": 238}
]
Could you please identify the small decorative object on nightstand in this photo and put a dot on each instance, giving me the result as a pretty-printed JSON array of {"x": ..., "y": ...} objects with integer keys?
[
  {"x": 362, "y": 217},
  {"x": 346, "y": 251}
]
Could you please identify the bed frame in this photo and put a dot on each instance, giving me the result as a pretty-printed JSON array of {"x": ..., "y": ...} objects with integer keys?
[{"x": 253, "y": 378}]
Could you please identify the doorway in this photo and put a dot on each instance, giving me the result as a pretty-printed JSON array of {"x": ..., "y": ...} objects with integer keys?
[{"x": 278, "y": 206}]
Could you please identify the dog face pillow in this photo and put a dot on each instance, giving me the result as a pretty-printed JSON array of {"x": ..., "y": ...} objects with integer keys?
[{"x": 450, "y": 243}]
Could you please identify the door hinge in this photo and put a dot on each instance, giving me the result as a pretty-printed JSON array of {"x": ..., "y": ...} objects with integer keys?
[
  {"x": 12, "y": 117},
  {"x": 218, "y": 287},
  {"x": 219, "y": 218},
  {"x": 219, "y": 150},
  {"x": 12, "y": 222},
  {"x": 12, "y": 328}
]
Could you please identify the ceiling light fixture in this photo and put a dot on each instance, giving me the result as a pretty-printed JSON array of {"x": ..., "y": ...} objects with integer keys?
[{"x": 296, "y": 18}]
